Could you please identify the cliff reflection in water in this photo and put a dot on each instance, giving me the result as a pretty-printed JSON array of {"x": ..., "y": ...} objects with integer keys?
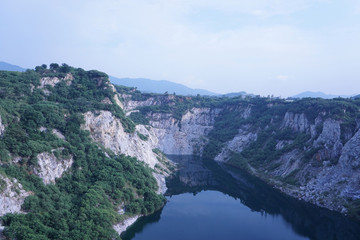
[{"x": 196, "y": 175}]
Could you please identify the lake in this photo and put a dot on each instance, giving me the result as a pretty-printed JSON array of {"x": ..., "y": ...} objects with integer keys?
[{"x": 208, "y": 201}]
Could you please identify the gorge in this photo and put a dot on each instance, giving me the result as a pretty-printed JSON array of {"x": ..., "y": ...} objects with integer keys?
[{"x": 94, "y": 155}]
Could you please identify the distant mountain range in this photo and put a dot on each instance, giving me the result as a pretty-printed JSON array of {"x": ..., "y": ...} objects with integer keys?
[
  {"x": 9, "y": 67},
  {"x": 162, "y": 86},
  {"x": 309, "y": 94}
]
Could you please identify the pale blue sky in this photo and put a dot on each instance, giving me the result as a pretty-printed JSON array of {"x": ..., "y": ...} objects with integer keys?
[{"x": 279, "y": 47}]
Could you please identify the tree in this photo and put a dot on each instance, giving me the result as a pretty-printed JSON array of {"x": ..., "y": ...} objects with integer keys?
[{"x": 54, "y": 67}]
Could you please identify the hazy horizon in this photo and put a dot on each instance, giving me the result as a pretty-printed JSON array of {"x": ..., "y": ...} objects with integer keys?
[{"x": 262, "y": 47}]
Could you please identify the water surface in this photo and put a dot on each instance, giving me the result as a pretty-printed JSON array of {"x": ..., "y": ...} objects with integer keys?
[{"x": 207, "y": 201}]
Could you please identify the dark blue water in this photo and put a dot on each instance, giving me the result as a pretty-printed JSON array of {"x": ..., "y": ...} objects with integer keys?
[{"x": 206, "y": 201}]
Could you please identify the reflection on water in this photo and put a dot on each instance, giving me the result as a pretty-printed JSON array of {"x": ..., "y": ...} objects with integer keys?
[{"x": 196, "y": 175}]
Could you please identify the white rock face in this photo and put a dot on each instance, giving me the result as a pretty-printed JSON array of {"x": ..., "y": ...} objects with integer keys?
[
  {"x": 121, "y": 227},
  {"x": 288, "y": 163},
  {"x": 161, "y": 182},
  {"x": 237, "y": 144},
  {"x": 329, "y": 140},
  {"x": 184, "y": 137},
  {"x": 2, "y": 127},
  {"x": 12, "y": 195},
  {"x": 49, "y": 167},
  {"x": 52, "y": 81},
  {"x": 116, "y": 96},
  {"x": 130, "y": 105},
  {"x": 107, "y": 130},
  {"x": 58, "y": 134},
  {"x": 330, "y": 133},
  {"x": 297, "y": 122}
]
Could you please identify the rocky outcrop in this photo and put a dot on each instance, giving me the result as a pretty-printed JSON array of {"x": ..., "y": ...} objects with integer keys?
[
  {"x": 2, "y": 127},
  {"x": 12, "y": 195},
  {"x": 107, "y": 130},
  {"x": 186, "y": 136},
  {"x": 331, "y": 177},
  {"x": 121, "y": 227},
  {"x": 116, "y": 95},
  {"x": 130, "y": 105},
  {"x": 237, "y": 144},
  {"x": 161, "y": 182},
  {"x": 50, "y": 167},
  {"x": 297, "y": 122},
  {"x": 52, "y": 81},
  {"x": 337, "y": 181}
]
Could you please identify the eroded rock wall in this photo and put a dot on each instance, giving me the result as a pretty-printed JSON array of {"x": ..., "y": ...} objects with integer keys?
[
  {"x": 50, "y": 167},
  {"x": 12, "y": 195},
  {"x": 107, "y": 130},
  {"x": 186, "y": 136},
  {"x": 328, "y": 177}
]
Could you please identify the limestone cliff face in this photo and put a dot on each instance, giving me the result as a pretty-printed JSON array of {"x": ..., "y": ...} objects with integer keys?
[
  {"x": 52, "y": 81},
  {"x": 238, "y": 143},
  {"x": 50, "y": 167},
  {"x": 328, "y": 178},
  {"x": 333, "y": 182},
  {"x": 129, "y": 104},
  {"x": 166, "y": 133},
  {"x": 184, "y": 137},
  {"x": 12, "y": 195},
  {"x": 107, "y": 130},
  {"x": 297, "y": 122}
]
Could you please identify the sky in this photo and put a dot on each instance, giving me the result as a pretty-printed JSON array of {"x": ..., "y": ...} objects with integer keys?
[{"x": 266, "y": 47}]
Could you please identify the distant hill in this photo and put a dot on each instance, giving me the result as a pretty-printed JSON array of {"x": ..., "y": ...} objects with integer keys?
[
  {"x": 162, "y": 86},
  {"x": 318, "y": 95},
  {"x": 236, "y": 94},
  {"x": 9, "y": 67}
]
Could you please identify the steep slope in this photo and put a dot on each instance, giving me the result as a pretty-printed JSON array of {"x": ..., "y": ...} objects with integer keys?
[{"x": 68, "y": 183}]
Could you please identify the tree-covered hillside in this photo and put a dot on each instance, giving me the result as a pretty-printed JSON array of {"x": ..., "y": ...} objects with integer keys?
[{"x": 35, "y": 107}]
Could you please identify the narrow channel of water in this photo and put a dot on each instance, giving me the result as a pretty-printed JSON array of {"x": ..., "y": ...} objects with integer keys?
[{"x": 208, "y": 201}]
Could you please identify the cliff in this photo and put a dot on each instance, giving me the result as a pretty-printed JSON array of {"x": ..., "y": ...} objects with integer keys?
[
  {"x": 12, "y": 195},
  {"x": 74, "y": 141},
  {"x": 322, "y": 170},
  {"x": 186, "y": 136},
  {"x": 50, "y": 167},
  {"x": 69, "y": 153},
  {"x": 310, "y": 153}
]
